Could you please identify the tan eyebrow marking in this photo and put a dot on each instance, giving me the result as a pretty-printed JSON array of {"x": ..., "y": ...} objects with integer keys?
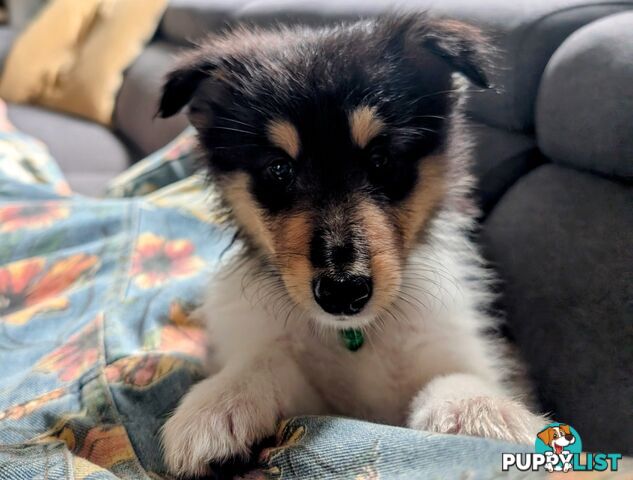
[
  {"x": 284, "y": 134},
  {"x": 364, "y": 125}
]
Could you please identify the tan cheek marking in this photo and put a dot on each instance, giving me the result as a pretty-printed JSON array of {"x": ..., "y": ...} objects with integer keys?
[
  {"x": 384, "y": 251},
  {"x": 292, "y": 234},
  {"x": 364, "y": 125},
  {"x": 245, "y": 210},
  {"x": 284, "y": 135},
  {"x": 414, "y": 214}
]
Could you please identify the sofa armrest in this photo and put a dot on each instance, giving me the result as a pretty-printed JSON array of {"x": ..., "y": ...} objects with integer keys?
[{"x": 585, "y": 103}]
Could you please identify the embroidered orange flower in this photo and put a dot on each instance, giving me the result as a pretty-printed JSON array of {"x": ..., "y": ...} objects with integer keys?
[
  {"x": 26, "y": 289},
  {"x": 19, "y": 411},
  {"x": 37, "y": 215},
  {"x": 76, "y": 356},
  {"x": 142, "y": 370},
  {"x": 106, "y": 446},
  {"x": 156, "y": 260},
  {"x": 181, "y": 334},
  {"x": 289, "y": 434}
]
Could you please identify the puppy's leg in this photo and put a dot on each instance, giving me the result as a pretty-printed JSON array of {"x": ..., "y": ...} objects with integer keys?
[
  {"x": 221, "y": 417},
  {"x": 466, "y": 404}
]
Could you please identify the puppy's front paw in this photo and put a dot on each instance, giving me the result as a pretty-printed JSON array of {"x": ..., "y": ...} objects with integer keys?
[
  {"x": 490, "y": 417},
  {"x": 216, "y": 421}
]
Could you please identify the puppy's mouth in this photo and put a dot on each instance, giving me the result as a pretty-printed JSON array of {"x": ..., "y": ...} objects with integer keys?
[{"x": 558, "y": 448}]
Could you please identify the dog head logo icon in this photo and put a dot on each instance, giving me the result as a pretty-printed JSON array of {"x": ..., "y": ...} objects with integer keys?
[
  {"x": 558, "y": 438},
  {"x": 558, "y": 442}
]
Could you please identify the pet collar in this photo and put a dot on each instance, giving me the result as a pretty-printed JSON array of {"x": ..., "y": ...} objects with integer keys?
[{"x": 352, "y": 338}]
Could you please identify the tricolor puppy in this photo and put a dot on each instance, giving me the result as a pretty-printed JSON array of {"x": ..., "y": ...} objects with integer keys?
[{"x": 341, "y": 158}]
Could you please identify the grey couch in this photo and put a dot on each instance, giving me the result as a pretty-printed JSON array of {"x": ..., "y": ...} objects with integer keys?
[{"x": 554, "y": 161}]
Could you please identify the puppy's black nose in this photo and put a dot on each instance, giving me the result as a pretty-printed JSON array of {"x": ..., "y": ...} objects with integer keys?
[
  {"x": 345, "y": 295},
  {"x": 569, "y": 438}
]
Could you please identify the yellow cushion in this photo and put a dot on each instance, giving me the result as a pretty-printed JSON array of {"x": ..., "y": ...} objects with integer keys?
[{"x": 72, "y": 56}]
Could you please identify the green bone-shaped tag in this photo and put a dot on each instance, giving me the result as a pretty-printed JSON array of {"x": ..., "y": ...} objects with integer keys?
[{"x": 353, "y": 339}]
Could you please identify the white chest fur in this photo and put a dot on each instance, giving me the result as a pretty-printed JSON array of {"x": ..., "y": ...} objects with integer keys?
[{"x": 437, "y": 335}]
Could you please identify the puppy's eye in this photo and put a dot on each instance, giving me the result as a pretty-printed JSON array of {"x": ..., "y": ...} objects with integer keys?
[
  {"x": 378, "y": 161},
  {"x": 281, "y": 171}
]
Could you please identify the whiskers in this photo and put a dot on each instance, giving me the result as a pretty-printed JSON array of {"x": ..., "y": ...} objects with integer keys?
[
  {"x": 426, "y": 286},
  {"x": 263, "y": 286},
  {"x": 236, "y": 130}
]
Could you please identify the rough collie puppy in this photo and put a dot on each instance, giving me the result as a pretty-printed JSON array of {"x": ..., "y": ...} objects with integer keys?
[{"x": 342, "y": 158}]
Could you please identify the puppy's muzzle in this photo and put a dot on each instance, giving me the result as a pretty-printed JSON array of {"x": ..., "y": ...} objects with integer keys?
[{"x": 342, "y": 294}]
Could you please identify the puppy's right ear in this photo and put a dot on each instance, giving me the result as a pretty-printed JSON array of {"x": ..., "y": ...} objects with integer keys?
[
  {"x": 181, "y": 84},
  {"x": 201, "y": 82},
  {"x": 198, "y": 83}
]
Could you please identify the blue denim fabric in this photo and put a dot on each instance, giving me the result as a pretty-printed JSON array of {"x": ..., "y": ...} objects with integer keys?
[{"x": 341, "y": 448}]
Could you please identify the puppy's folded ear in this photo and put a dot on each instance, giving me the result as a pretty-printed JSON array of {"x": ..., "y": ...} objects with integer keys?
[
  {"x": 460, "y": 45},
  {"x": 182, "y": 82},
  {"x": 198, "y": 83}
]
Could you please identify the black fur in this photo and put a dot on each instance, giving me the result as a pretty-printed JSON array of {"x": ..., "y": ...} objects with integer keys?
[{"x": 340, "y": 255}]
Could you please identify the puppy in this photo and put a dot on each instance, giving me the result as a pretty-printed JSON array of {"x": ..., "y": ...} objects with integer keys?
[{"x": 341, "y": 157}]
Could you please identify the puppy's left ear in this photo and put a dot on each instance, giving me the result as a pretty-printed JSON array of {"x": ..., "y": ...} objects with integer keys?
[{"x": 461, "y": 45}]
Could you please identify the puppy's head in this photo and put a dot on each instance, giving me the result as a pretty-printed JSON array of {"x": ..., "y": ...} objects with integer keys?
[{"x": 330, "y": 147}]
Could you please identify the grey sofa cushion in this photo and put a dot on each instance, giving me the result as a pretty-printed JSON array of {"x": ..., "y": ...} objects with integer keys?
[
  {"x": 138, "y": 98},
  {"x": 526, "y": 33},
  {"x": 561, "y": 241},
  {"x": 187, "y": 20},
  {"x": 500, "y": 159},
  {"x": 88, "y": 154},
  {"x": 585, "y": 102}
]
